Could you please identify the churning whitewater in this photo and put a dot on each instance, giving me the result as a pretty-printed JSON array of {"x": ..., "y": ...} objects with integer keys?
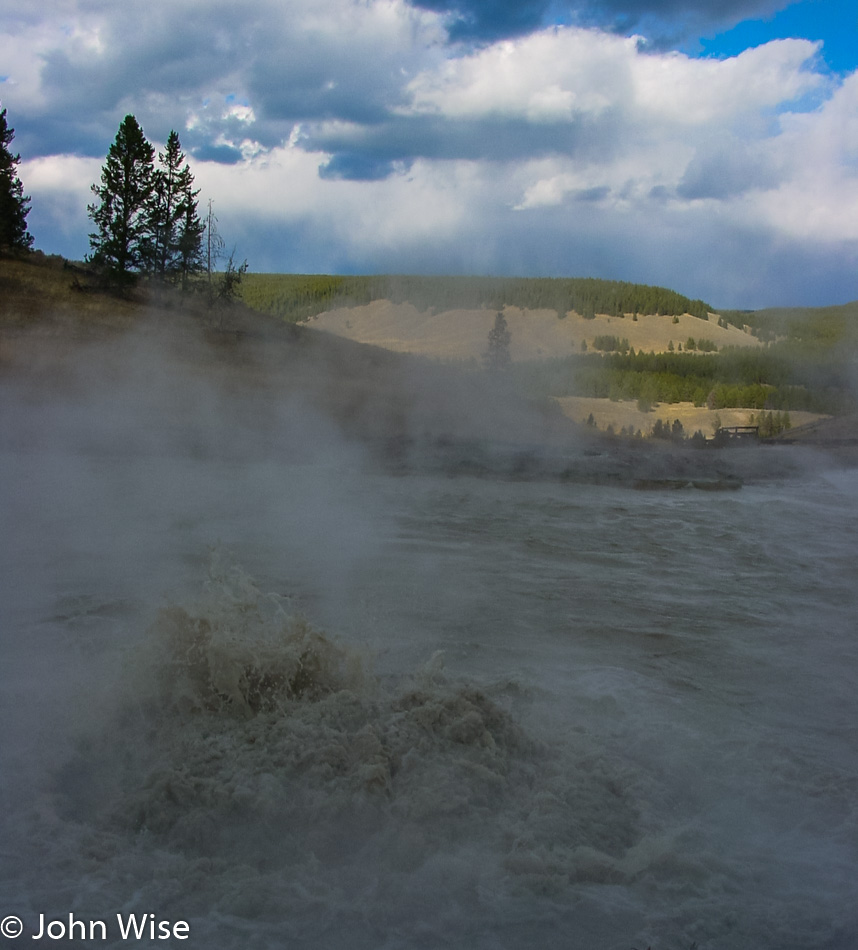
[{"x": 289, "y": 699}]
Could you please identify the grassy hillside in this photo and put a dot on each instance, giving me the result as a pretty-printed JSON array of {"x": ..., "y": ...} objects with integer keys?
[
  {"x": 44, "y": 291},
  {"x": 40, "y": 291}
]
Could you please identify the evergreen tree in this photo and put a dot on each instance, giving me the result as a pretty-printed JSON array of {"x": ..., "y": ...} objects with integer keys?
[
  {"x": 165, "y": 208},
  {"x": 497, "y": 356},
  {"x": 190, "y": 238},
  {"x": 123, "y": 242},
  {"x": 13, "y": 203},
  {"x": 176, "y": 228}
]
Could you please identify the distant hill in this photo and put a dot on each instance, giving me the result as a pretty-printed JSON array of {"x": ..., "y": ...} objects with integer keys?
[
  {"x": 584, "y": 338},
  {"x": 449, "y": 317},
  {"x": 827, "y": 326},
  {"x": 299, "y": 297},
  {"x": 296, "y": 297}
]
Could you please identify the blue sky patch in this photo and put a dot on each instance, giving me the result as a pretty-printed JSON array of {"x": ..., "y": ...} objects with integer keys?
[{"x": 834, "y": 22}]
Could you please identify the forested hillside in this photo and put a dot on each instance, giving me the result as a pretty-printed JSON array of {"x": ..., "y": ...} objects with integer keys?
[
  {"x": 295, "y": 297},
  {"x": 781, "y": 377},
  {"x": 823, "y": 326}
]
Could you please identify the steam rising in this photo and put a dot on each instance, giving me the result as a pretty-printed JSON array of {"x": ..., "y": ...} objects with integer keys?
[{"x": 270, "y": 669}]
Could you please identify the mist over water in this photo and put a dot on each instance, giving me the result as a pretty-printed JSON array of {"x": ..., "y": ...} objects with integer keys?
[{"x": 253, "y": 680}]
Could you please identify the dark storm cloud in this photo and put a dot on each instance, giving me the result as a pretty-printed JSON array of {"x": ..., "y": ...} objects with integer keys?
[
  {"x": 725, "y": 173},
  {"x": 714, "y": 12},
  {"x": 664, "y": 20},
  {"x": 488, "y": 19},
  {"x": 491, "y": 138},
  {"x": 222, "y": 154},
  {"x": 598, "y": 193},
  {"x": 358, "y": 166},
  {"x": 355, "y": 73},
  {"x": 104, "y": 81},
  {"x": 321, "y": 85},
  {"x": 69, "y": 133}
]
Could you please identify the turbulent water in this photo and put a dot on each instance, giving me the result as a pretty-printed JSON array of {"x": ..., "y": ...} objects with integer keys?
[{"x": 297, "y": 702}]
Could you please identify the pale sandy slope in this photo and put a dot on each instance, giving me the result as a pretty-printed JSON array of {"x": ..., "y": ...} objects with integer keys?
[
  {"x": 536, "y": 334},
  {"x": 622, "y": 414}
]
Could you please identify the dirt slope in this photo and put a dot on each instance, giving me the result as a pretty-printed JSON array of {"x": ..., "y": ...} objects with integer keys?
[{"x": 536, "y": 334}]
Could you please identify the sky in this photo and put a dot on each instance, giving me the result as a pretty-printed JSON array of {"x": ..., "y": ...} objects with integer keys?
[{"x": 709, "y": 147}]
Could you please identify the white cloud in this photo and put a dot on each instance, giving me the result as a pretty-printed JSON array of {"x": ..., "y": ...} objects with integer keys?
[
  {"x": 688, "y": 92},
  {"x": 819, "y": 152},
  {"x": 60, "y": 189},
  {"x": 21, "y": 47},
  {"x": 241, "y": 112},
  {"x": 794, "y": 174},
  {"x": 548, "y": 76},
  {"x": 563, "y": 73},
  {"x": 60, "y": 173}
]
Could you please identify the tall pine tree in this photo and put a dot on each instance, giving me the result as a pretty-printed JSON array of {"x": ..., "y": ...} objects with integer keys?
[
  {"x": 176, "y": 228},
  {"x": 190, "y": 243},
  {"x": 123, "y": 242},
  {"x": 14, "y": 206}
]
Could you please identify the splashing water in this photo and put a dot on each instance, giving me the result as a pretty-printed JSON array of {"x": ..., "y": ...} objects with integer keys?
[{"x": 254, "y": 770}]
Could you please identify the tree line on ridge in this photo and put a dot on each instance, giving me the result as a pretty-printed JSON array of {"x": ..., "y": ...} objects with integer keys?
[{"x": 296, "y": 297}]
